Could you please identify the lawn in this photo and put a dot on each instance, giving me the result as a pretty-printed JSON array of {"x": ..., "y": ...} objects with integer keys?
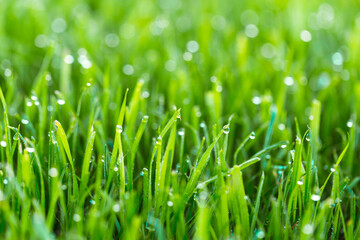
[{"x": 170, "y": 119}]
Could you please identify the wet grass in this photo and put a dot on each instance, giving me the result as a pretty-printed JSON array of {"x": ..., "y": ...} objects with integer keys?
[{"x": 177, "y": 120}]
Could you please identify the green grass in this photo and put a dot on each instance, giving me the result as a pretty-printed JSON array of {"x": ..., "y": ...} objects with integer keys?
[{"x": 179, "y": 119}]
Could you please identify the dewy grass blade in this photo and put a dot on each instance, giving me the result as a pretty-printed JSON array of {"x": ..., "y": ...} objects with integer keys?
[
  {"x": 61, "y": 137},
  {"x": 195, "y": 176},
  {"x": 166, "y": 166},
  {"x": 315, "y": 128},
  {"x": 134, "y": 149},
  {"x": 257, "y": 203},
  {"x": 85, "y": 174},
  {"x": 6, "y": 127},
  {"x": 237, "y": 187},
  {"x": 118, "y": 131}
]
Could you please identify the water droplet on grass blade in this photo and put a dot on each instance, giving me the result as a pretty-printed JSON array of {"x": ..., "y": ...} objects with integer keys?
[
  {"x": 145, "y": 118},
  {"x": 181, "y": 132},
  {"x": 315, "y": 197},
  {"x": 349, "y": 124},
  {"x": 252, "y": 135},
  {"x": 30, "y": 150},
  {"x": 158, "y": 140},
  {"x": 24, "y": 121},
  {"x": 226, "y": 129},
  {"x": 3, "y": 143},
  {"x": 29, "y": 104},
  {"x": 256, "y": 100},
  {"x": 119, "y": 129}
]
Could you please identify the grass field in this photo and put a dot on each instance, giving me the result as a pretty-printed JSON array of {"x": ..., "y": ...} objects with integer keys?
[{"x": 175, "y": 119}]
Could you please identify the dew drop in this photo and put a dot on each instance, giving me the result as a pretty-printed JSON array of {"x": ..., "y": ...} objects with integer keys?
[
  {"x": 226, "y": 129},
  {"x": 305, "y": 36},
  {"x": 24, "y": 121},
  {"x": 3, "y": 143},
  {"x": 252, "y": 135},
  {"x": 30, "y": 150},
  {"x": 260, "y": 235},
  {"x": 289, "y": 81},
  {"x": 61, "y": 101},
  {"x": 281, "y": 127},
  {"x": 349, "y": 124},
  {"x": 158, "y": 140},
  {"x": 308, "y": 229},
  {"x": 28, "y": 103},
  {"x": 181, "y": 132},
  {"x": 76, "y": 217},
  {"x": 145, "y": 118},
  {"x": 256, "y": 100},
  {"x": 192, "y": 46},
  {"x": 119, "y": 129},
  {"x": 315, "y": 198},
  {"x": 53, "y": 172},
  {"x": 68, "y": 59},
  {"x": 116, "y": 208}
]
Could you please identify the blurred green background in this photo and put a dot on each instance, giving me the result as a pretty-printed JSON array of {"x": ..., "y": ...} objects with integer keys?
[{"x": 176, "y": 47}]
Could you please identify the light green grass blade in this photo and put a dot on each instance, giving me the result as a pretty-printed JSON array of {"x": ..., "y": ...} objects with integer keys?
[
  {"x": 61, "y": 137},
  {"x": 85, "y": 174}
]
